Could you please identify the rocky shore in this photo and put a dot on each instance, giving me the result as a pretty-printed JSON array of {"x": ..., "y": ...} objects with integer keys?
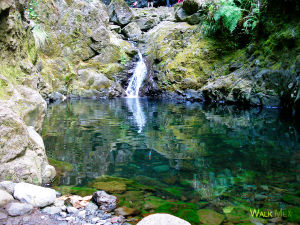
[{"x": 24, "y": 203}]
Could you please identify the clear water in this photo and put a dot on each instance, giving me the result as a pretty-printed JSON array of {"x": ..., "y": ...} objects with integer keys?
[{"x": 211, "y": 150}]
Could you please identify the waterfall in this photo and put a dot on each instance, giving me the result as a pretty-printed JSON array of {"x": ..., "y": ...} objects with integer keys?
[{"x": 137, "y": 78}]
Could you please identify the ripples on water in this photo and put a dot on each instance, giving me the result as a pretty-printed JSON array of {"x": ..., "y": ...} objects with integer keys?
[{"x": 206, "y": 149}]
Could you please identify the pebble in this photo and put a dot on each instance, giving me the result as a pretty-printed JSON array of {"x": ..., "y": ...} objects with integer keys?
[
  {"x": 51, "y": 210},
  {"x": 96, "y": 219},
  {"x": 81, "y": 214},
  {"x": 63, "y": 214},
  {"x": 2, "y": 216},
  {"x": 71, "y": 209}
]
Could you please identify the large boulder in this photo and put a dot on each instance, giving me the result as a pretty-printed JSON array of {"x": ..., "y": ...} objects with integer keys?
[
  {"x": 132, "y": 31},
  {"x": 120, "y": 12},
  {"x": 162, "y": 219},
  {"x": 34, "y": 195},
  {"x": 22, "y": 152}
]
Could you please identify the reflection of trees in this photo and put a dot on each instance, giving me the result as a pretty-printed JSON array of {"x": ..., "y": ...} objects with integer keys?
[{"x": 96, "y": 137}]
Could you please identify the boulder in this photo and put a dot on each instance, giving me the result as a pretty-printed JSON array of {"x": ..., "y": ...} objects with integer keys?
[
  {"x": 119, "y": 12},
  {"x": 105, "y": 201},
  {"x": 162, "y": 219},
  {"x": 34, "y": 195},
  {"x": 147, "y": 23},
  {"x": 18, "y": 209},
  {"x": 93, "y": 79},
  {"x": 132, "y": 31},
  {"x": 192, "y": 6},
  {"x": 22, "y": 152},
  {"x": 5, "y": 198},
  {"x": 181, "y": 15}
]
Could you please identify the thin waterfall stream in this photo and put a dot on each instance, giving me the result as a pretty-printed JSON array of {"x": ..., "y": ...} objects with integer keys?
[{"x": 137, "y": 78}]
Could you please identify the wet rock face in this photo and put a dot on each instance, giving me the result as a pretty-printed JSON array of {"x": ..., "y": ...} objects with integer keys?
[{"x": 257, "y": 88}]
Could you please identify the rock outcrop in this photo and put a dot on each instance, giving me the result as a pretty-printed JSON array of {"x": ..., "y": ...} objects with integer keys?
[{"x": 22, "y": 152}]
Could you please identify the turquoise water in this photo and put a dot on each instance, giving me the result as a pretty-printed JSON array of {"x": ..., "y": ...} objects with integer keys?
[{"x": 209, "y": 152}]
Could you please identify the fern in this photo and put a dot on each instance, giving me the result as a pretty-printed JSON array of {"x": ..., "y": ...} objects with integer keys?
[{"x": 229, "y": 13}]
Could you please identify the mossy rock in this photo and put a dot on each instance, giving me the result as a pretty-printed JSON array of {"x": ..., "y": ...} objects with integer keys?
[
  {"x": 174, "y": 207},
  {"x": 173, "y": 191},
  {"x": 291, "y": 199},
  {"x": 60, "y": 165},
  {"x": 208, "y": 216},
  {"x": 110, "y": 186},
  {"x": 153, "y": 203},
  {"x": 189, "y": 215},
  {"x": 82, "y": 191},
  {"x": 238, "y": 215}
]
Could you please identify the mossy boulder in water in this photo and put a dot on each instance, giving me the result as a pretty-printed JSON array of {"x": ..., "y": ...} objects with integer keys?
[
  {"x": 110, "y": 186},
  {"x": 82, "y": 191},
  {"x": 208, "y": 216}
]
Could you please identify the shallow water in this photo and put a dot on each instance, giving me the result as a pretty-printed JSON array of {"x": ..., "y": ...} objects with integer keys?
[{"x": 195, "y": 148}]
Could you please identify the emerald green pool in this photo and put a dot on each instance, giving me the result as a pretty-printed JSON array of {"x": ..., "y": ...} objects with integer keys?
[{"x": 207, "y": 156}]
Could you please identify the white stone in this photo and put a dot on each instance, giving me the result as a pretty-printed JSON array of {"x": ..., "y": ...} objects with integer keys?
[
  {"x": 5, "y": 197},
  {"x": 51, "y": 210},
  {"x": 81, "y": 214},
  {"x": 34, "y": 195},
  {"x": 162, "y": 219},
  {"x": 71, "y": 209},
  {"x": 17, "y": 208}
]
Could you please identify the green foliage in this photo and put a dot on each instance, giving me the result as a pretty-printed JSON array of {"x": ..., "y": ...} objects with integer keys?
[
  {"x": 32, "y": 9},
  {"x": 124, "y": 59},
  {"x": 229, "y": 13}
]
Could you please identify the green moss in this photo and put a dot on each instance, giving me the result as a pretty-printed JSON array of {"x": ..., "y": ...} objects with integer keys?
[
  {"x": 175, "y": 207},
  {"x": 11, "y": 74},
  {"x": 174, "y": 191},
  {"x": 63, "y": 166},
  {"x": 82, "y": 191},
  {"x": 110, "y": 186},
  {"x": 189, "y": 215}
]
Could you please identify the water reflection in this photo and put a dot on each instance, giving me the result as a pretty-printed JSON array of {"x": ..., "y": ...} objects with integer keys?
[
  {"x": 136, "y": 109},
  {"x": 205, "y": 149}
]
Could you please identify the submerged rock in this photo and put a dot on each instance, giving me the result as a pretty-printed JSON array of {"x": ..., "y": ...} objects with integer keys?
[
  {"x": 162, "y": 219},
  {"x": 208, "y": 216},
  {"x": 125, "y": 211}
]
